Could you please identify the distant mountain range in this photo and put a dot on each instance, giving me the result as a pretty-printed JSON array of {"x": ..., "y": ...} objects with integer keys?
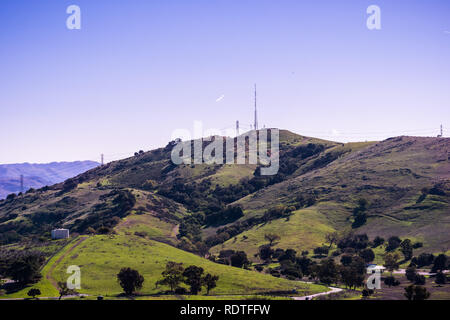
[{"x": 39, "y": 175}]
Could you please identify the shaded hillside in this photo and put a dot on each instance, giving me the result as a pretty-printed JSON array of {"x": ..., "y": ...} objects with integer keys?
[{"x": 38, "y": 175}]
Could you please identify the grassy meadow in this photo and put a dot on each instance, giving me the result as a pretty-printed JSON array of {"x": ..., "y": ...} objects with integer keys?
[{"x": 101, "y": 258}]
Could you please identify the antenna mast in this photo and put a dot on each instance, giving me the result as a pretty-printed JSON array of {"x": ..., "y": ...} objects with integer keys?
[
  {"x": 256, "y": 114},
  {"x": 237, "y": 128},
  {"x": 441, "y": 135},
  {"x": 21, "y": 183}
]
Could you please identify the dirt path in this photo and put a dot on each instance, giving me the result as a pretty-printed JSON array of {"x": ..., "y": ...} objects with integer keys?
[
  {"x": 49, "y": 273},
  {"x": 310, "y": 297}
]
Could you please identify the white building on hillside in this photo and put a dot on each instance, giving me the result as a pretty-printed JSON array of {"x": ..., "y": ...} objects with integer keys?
[
  {"x": 373, "y": 268},
  {"x": 60, "y": 233}
]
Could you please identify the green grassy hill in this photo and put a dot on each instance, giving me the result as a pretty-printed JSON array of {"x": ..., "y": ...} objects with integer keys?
[
  {"x": 101, "y": 258},
  {"x": 405, "y": 181}
]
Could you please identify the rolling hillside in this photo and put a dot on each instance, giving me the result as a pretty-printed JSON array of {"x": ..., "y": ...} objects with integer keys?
[
  {"x": 166, "y": 210},
  {"x": 406, "y": 181},
  {"x": 391, "y": 175}
]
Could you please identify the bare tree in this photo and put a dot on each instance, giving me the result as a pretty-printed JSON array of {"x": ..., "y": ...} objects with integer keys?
[
  {"x": 64, "y": 290},
  {"x": 331, "y": 238},
  {"x": 271, "y": 237}
]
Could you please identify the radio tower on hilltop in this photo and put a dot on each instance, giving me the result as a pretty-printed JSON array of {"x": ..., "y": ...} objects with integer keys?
[
  {"x": 256, "y": 114},
  {"x": 441, "y": 135}
]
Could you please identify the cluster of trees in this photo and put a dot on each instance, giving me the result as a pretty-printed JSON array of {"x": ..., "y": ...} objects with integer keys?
[
  {"x": 440, "y": 264},
  {"x": 413, "y": 292},
  {"x": 33, "y": 293},
  {"x": 107, "y": 214},
  {"x": 393, "y": 243},
  {"x": 7, "y": 235},
  {"x": 367, "y": 255},
  {"x": 359, "y": 214},
  {"x": 406, "y": 247},
  {"x": 233, "y": 258},
  {"x": 437, "y": 190},
  {"x": 355, "y": 251},
  {"x": 322, "y": 251},
  {"x": 351, "y": 272},
  {"x": 224, "y": 216},
  {"x": 21, "y": 266},
  {"x": 191, "y": 195},
  {"x": 193, "y": 276},
  {"x": 360, "y": 242},
  {"x": 235, "y": 192},
  {"x": 291, "y": 266},
  {"x": 190, "y": 229},
  {"x": 353, "y": 241},
  {"x": 427, "y": 259},
  {"x": 228, "y": 232},
  {"x": 291, "y": 159},
  {"x": 130, "y": 280},
  {"x": 190, "y": 234},
  {"x": 412, "y": 275},
  {"x": 190, "y": 226}
]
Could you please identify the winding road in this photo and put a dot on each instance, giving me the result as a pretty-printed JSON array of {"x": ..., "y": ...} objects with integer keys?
[
  {"x": 422, "y": 273},
  {"x": 310, "y": 297}
]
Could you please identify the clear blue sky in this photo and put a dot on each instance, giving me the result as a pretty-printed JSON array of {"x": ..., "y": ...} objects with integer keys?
[{"x": 138, "y": 70}]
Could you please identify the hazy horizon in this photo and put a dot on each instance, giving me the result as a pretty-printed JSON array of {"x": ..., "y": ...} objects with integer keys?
[
  {"x": 131, "y": 154},
  {"x": 139, "y": 70}
]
